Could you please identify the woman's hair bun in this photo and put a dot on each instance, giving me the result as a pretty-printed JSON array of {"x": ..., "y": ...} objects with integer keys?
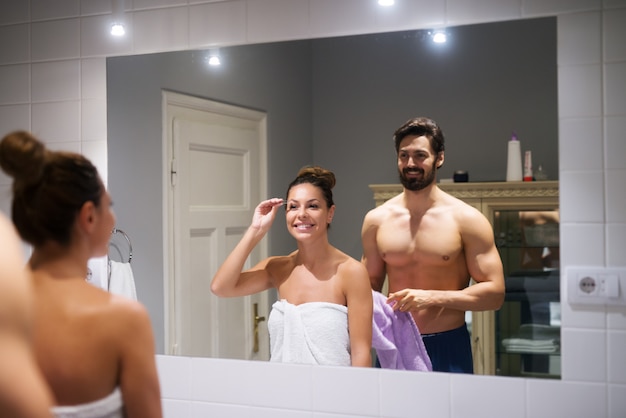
[
  {"x": 22, "y": 156},
  {"x": 322, "y": 174}
]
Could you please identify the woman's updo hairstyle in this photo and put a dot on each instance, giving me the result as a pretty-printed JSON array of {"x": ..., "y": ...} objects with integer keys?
[
  {"x": 49, "y": 187},
  {"x": 319, "y": 177}
]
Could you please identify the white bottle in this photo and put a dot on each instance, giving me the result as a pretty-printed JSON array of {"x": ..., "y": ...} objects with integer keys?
[{"x": 514, "y": 161}]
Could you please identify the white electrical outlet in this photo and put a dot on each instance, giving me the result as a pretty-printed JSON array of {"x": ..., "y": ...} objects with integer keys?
[{"x": 596, "y": 286}]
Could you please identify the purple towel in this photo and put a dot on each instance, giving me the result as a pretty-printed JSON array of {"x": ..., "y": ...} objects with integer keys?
[{"x": 396, "y": 339}]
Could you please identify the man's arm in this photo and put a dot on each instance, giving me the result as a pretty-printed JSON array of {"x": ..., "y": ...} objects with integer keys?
[
  {"x": 371, "y": 258},
  {"x": 483, "y": 263}
]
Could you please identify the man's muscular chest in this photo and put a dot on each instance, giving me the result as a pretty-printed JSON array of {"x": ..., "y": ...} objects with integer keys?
[{"x": 429, "y": 241}]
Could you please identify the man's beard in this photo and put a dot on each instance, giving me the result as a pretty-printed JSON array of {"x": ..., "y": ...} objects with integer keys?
[{"x": 415, "y": 183}]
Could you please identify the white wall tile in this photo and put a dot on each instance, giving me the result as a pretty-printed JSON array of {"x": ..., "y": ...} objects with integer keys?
[
  {"x": 149, "y": 4},
  {"x": 161, "y": 30},
  {"x": 174, "y": 376},
  {"x": 464, "y": 11},
  {"x": 590, "y": 253},
  {"x": 579, "y": 38},
  {"x": 270, "y": 20},
  {"x": 93, "y": 79},
  {"x": 217, "y": 24},
  {"x": 616, "y": 196},
  {"x": 506, "y": 396},
  {"x": 330, "y": 395},
  {"x": 13, "y": 12},
  {"x": 543, "y": 7},
  {"x": 45, "y": 9},
  {"x": 57, "y": 39},
  {"x": 580, "y": 91},
  {"x": 331, "y": 415},
  {"x": 583, "y": 354},
  {"x": 614, "y": 35},
  {"x": 224, "y": 380},
  {"x": 14, "y": 44},
  {"x": 615, "y": 139},
  {"x": 331, "y": 18},
  {"x": 56, "y": 121},
  {"x": 96, "y": 152},
  {"x": 204, "y": 409},
  {"x": 401, "y": 391},
  {"x": 91, "y": 7},
  {"x": 93, "y": 118},
  {"x": 407, "y": 15},
  {"x": 574, "y": 317},
  {"x": 96, "y": 39},
  {"x": 578, "y": 144},
  {"x": 617, "y": 401},
  {"x": 615, "y": 90},
  {"x": 550, "y": 398},
  {"x": 56, "y": 81},
  {"x": 71, "y": 146},
  {"x": 176, "y": 408},
  {"x": 14, "y": 84},
  {"x": 616, "y": 245},
  {"x": 14, "y": 117},
  {"x": 582, "y": 196},
  {"x": 616, "y": 342}
]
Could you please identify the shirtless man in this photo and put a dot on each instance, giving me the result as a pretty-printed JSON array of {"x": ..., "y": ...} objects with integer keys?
[{"x": 430, "y": 244}]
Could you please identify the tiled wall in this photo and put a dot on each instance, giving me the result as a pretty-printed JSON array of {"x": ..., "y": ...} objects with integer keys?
[{"x": 53, "y": 82}]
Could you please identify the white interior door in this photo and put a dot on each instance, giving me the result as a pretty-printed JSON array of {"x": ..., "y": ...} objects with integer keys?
[{"x": 216, "y": 175}]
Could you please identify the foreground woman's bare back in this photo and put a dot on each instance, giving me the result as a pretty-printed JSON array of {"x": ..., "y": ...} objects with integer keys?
[{"x": 88, "y": 342}]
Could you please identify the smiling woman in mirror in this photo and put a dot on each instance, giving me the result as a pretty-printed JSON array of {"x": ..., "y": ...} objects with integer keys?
[{"x": 324, "y": 312}]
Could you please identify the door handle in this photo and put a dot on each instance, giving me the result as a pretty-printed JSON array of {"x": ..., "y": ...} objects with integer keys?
[{"x": 257, "y": 319}]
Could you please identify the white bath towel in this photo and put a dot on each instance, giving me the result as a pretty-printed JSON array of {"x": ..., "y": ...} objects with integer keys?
[
  {"x": 98, "y": 272},
  {"x": 309, "y": 333},
  {"x": 121, "y": 281},
  {"x": 109, "y": 407}
]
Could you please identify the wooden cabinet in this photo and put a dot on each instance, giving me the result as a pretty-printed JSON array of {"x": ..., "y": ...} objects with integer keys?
[{"x": 523, "y": 337}]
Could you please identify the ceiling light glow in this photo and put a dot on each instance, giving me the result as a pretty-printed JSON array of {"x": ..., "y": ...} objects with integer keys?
[
  {"x": 117, "y": 29},
  {"x": 386, "y": 2}
]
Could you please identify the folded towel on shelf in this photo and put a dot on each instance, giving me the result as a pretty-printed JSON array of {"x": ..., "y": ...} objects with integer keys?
[
  {"x": 121, "y": 279},
  {"x": 534, "y": 339},
  {"x": 522, "y": 345},
  {"x": 309, "y": 333},
  {"x": 396, "y": 338}
]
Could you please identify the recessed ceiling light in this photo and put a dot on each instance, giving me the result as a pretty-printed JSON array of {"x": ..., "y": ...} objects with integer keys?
[{"x": 117, "y": 29}]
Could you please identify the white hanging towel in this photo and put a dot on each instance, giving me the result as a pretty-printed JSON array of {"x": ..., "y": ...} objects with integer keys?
[
  {"x": 98, "y": 272},
  {"x": 122, "y": 281}
]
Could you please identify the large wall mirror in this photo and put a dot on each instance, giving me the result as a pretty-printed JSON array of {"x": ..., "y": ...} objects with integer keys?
[{"x": 334, "y": 102}]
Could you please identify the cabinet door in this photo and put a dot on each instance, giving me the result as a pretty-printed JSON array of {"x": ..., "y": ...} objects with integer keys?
[{"x": 527, "y": 327}]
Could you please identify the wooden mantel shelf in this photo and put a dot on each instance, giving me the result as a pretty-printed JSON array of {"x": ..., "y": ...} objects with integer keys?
[{"x": 478, "y": 190}]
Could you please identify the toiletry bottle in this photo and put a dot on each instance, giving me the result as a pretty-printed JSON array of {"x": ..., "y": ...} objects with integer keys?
[
  {"x": 528, "y": 166},
  {"x": 514, "y": 161}
]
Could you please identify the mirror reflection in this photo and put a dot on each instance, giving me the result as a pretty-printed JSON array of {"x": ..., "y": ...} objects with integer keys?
[{"x": 332, "y": 102}]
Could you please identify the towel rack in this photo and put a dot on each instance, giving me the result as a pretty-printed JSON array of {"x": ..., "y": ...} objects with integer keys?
[{"x": 116, "y": 246}]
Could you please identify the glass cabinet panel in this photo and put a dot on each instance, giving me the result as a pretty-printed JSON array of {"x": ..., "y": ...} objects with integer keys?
[{"x": 528, "y": 324}]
